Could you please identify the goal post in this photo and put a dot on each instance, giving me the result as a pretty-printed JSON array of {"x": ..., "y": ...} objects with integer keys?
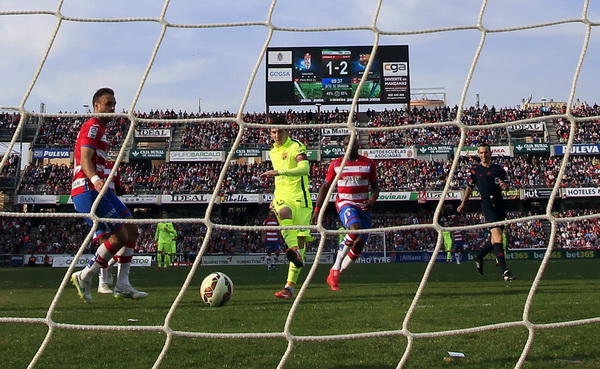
[{"x": 377, "y": 242}]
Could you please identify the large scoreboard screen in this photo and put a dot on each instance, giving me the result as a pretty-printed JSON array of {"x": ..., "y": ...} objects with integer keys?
[{"x": 330, "y": 75}]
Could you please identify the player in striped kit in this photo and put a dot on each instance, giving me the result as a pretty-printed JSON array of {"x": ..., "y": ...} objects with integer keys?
[
  {"x": 270, "y": 238},
  {"x": 353, "y": 204},
  {"x": 458, "y": 245},
  {"x": 90, "y": 159},
  {"x": 105, "y": 277}
]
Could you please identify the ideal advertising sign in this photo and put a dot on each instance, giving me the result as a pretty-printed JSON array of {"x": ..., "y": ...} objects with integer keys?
[{"x": 153, "y": 133}]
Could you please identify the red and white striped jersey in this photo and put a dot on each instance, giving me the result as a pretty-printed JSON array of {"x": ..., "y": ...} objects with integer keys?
[
  {"x": 458, "y": 236},
  {"x": 116, "y": 182},
  {"x": 92, "y": 134},
  {"x": 353, "y": 184},
  {"x": 271, "y": 235}
]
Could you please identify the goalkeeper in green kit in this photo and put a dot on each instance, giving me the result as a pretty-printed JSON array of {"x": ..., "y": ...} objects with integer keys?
[
  {"x": 291, "y": 203},
  {"x": 165, "y": 237}
]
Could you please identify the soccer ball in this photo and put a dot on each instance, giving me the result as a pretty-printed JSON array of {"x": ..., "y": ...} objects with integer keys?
[{"x": 216, "y": 289}]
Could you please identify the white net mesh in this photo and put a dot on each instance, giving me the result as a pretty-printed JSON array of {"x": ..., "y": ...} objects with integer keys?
[{"x": 271, "y": 29}]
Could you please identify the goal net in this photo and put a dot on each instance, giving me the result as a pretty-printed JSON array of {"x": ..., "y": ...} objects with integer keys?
[{"x": 374, "y": 23}]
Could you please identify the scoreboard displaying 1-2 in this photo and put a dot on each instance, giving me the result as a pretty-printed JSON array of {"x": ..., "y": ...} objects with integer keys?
[{"x": 330, "y": 75}]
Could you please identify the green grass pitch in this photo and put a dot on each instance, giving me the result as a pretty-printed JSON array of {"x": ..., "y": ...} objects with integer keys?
[
  {"x": 373, "y": 297},
  {"x": 368, "y": 91}
]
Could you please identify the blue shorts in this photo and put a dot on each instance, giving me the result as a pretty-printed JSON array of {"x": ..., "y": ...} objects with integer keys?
[
  {"x": 109, "y": 207},
  {"x": 351, "y": 214},
  {"x": 459, "y": 245},
  {"x": 272, "y": 246}
]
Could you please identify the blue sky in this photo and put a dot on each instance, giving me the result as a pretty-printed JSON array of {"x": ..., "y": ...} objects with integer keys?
[{"x": 211, "y": 66}]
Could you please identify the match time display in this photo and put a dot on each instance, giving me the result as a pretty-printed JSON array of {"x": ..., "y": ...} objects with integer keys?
[{"x": 330, "y": 75}]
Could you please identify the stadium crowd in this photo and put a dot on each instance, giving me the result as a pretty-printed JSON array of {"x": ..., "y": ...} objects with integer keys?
[
  {"x": 209, "y": 134},
  {"x": 9, "y": 121},
  {"x": 9, "y": 173},
  {"x": 59, "y": 132},
  {"x": 578, "y": 234},
  {"x": 65, "y": 235},
  {"x": 587, "y": 131},
  {"x": 395, "y": 175},
  {"x": 217, "y": 131}
]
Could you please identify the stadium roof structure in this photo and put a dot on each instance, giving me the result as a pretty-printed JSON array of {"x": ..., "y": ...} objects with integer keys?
[{"x": 433, "y": 96}]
